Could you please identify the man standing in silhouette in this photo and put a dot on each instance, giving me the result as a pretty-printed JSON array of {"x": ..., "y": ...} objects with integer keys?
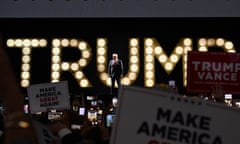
[{"x": 115, "y": 71}]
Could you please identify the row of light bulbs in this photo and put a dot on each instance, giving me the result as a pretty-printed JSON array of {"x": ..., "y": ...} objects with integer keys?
[{"x": 152, "y": 52}]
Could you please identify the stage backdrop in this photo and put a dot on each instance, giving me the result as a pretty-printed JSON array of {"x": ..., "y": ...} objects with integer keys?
[{"x": 153, "y": 50}]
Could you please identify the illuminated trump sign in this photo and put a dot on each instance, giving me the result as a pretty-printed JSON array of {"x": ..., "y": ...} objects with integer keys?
[{"x": 152, "y": 50}]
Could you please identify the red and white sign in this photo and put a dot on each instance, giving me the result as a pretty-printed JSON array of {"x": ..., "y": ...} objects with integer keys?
[
  {"x": 206, "y": 69},
  {"x": 48, "y": 95},
  {"x": 150, "y": 116}
]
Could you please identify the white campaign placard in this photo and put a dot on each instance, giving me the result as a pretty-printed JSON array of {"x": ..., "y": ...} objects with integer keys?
[
  {"x": 150, "y": 116},
  {"x": 48, "y": 95},
  {"x": 44, "y": 134}
]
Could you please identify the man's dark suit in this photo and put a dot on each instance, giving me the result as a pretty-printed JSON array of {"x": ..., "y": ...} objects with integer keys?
[{"x": 115, "y": 70}]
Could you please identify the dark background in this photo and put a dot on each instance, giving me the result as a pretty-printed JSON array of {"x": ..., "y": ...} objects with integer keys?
[{"x": 168, "y": 32}]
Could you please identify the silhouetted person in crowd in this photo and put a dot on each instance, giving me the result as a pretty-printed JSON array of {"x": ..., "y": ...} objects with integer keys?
[
  {"x": 115, "y": 71},
  {"x": 13, "y": 101},
  {"x": 66, "y": 135},
  {"x": 1, "y": 128},
  {"x": 86, "y": 135},
  {"x": 218, "y": 93}
]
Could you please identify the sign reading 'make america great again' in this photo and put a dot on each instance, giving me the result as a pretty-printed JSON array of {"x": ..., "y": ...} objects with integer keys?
[
  {"x": 48, "y": 95},
  {"x": 150, "y": 116}
]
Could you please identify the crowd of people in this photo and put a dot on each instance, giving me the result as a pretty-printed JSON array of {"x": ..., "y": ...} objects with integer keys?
[{"x": 16, "y": 126}]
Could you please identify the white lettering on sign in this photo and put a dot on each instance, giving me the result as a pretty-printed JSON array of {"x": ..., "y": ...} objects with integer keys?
[
  {"x": 216, "y": 70},
  {"x": 216, "y": 66}
]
